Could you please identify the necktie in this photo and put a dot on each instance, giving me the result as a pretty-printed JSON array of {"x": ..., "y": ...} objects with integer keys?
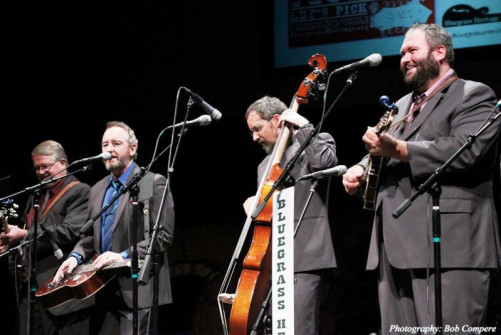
[
  {"x": 415, "y": 111},
  {"x": 109, "y": 216}
]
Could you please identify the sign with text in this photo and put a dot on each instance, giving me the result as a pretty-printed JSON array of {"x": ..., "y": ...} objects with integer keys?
[
  {"x": 353, "y": 29},
  {"x": 283, "y": 262}
]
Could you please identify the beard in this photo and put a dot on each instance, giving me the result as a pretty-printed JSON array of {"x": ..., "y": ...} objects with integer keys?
[
  {"x": 267, "y": 147},
  {"x": 426, "y": 69},
  {"x": 119, "y": 165}
]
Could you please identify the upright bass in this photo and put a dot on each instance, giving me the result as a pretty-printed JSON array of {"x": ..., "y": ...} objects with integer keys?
[{"x": 255, "y": 278}]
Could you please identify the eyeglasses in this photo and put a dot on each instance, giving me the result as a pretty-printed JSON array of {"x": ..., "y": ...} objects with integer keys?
[
  {"x": 257, "y": 128},
  {"x": 45, "y": 167}
]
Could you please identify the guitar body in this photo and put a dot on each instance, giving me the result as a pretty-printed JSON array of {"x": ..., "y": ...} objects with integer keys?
[
  {"x": 372, "y": 182},
  {"x": 83, "y": 282},
  {"x": 79, "y": 286}
]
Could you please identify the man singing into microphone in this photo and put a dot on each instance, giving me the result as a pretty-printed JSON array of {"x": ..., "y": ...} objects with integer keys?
[
  {"x": 109, "y": 237},
  {"x": 62, "y": 212},
  {"x": 314, "y": 258},
  {"x": 433, "y": 122}
]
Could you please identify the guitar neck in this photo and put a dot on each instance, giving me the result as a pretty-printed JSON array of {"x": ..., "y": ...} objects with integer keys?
[
  {"x": 283, "y": 139},
  {"x": 376, "y": 164}
]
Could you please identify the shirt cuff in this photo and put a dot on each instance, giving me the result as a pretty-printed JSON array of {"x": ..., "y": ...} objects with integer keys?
[
  {"x": 307, "y": 125},
  {"x": 77, "y": 256}
]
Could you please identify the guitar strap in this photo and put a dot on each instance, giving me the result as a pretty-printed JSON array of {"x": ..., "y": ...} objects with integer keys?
[
  {"x": 422, "y": 102},
  {"x": 145, "y": 194},
  {"x": 57, "y": 197}
]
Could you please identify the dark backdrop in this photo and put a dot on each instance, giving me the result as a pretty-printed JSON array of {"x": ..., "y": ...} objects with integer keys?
[{"x": 70, "y": 67}]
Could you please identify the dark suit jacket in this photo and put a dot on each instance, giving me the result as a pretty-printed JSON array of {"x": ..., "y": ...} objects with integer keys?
[
  {"x": 469, "y": 229},
  {"x": 313, "y": 249},
  {"x": 61, "y": 224},
  {"x": 90, "y": 245}
]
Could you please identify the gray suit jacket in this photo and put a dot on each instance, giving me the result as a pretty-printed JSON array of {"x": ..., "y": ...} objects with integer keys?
[
  {"x": 90, "y": 245},
  {"x": 313, "y": 249},
  {"x": 469, "y": 229}
]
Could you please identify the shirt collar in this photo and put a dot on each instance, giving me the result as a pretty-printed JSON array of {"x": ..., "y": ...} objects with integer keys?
[
  {"x": 123, "y": 178},
  {"x": 57, "y": 187},
  {"x": 439, "y": 82}
]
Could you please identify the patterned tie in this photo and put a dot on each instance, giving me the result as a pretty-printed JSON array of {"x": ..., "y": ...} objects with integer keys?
[
  {"x": 415, "y": 112},
  {"x": 109, "y": 216}
]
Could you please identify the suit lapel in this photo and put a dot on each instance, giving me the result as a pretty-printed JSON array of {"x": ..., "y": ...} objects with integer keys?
[
  {"x": 425, "y": 112},
  {"x": 402, "y": 113},
  {"x": 97, "y": 206},
  {"x": 124, "y": 199}
]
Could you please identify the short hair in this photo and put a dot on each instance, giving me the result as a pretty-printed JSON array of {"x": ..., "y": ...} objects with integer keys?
[
  {"x": 50, "y": 148},
  {"x": 132, "y": 136},
  {"x": 266, "y": 107},
  {"x": 436, "y": 36}
]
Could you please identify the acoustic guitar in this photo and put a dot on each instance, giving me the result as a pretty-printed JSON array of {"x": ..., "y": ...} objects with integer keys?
[
  {"x": 83, "y": 282},
  {"x": 376, "y": 162}
]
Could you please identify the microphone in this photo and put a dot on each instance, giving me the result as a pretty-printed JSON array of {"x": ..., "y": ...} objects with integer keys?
[
  {"x": 371, "y": 60},
  {"x": 335, "y": 171},
  {"x": 203, "y": 120},
  {"x": 57, "y": 251},
  {"x": 102, "y": 156},
  {"x": 214, "y": 113}
]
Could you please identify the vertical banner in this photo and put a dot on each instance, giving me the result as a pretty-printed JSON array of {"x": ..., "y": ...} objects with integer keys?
[{"x": 283, "y": 262}]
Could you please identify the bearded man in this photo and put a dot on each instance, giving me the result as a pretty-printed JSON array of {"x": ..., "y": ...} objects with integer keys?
[
  {"x": 110, "y": 237},
  {"x": 433, "y": 122}
]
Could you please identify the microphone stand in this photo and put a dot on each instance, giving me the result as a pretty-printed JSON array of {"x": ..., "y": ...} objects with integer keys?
[
  {"x": 32, "y": 280},
  {"x": 134, "y": 257},
  {"x": 45, "y": 182},
  {"x": 432, "y": 186},
  {"x": 151, "y": 253},
  {"x": 33, "y": 267},
  {"x": 284, "y": 177},
  {"x": 22, "y": 245}
]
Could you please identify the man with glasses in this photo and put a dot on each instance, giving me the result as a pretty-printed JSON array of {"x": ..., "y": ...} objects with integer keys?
[
  {"x": 314, "y": 258},
  {"x": 62, "y": 212}
]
